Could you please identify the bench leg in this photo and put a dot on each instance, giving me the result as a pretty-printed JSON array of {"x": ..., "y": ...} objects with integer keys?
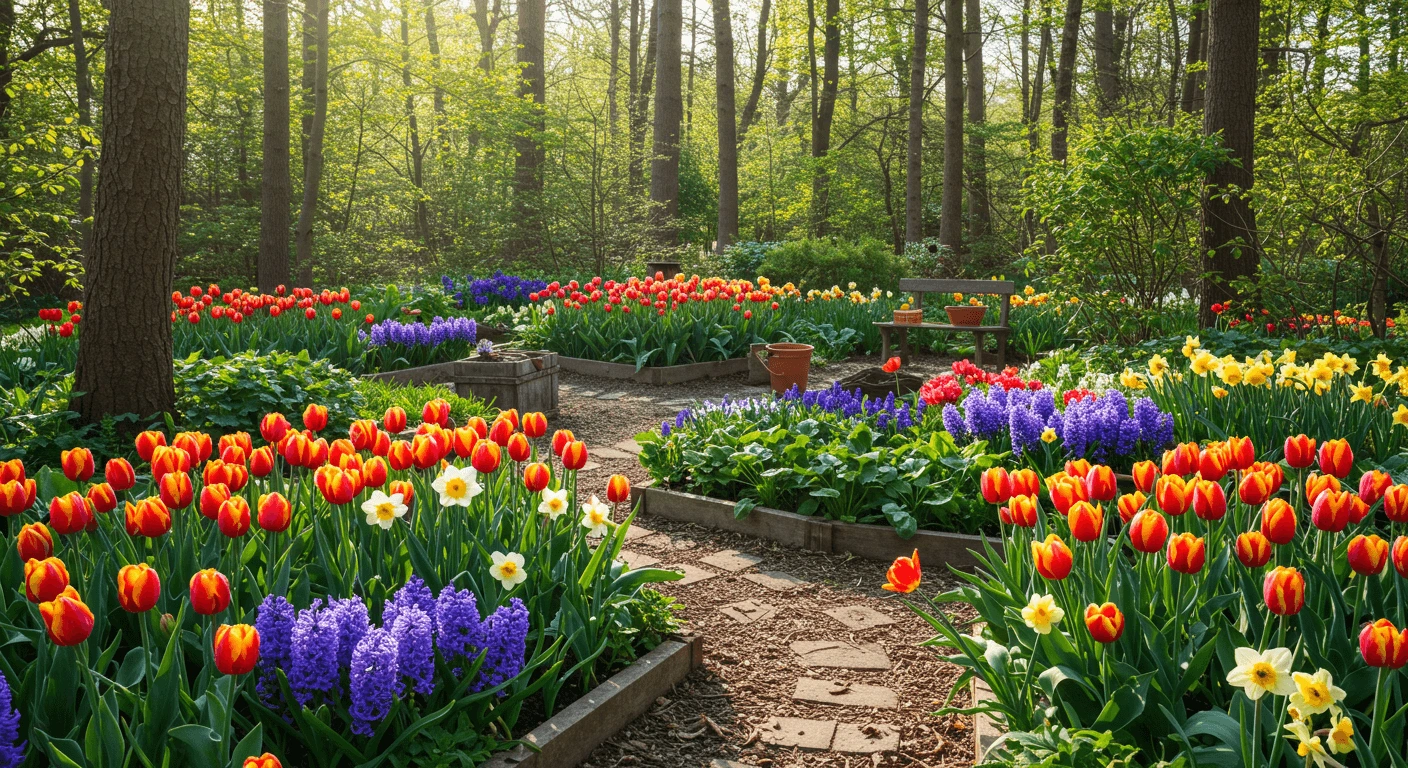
[
  {"x": 884, "y": 343},
  {"x": 978, "y": 340},
  {"x": 904, "y": 346},
  {"x": 1001, "y": 351}
]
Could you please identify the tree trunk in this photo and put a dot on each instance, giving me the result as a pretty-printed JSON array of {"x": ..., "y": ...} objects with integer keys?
[
  {"x": 1043, "y": 55},
  {"x": 308, "y": 51},
  {"x": 1192, "y": 99},
  {"x": 1174, "y": 61},
  {"x": 760, "y": 71},
  {"x": 669, "y": 108},
  {"x": 1106, "y": 79},
  {"x": 914, "y": 146},
  {"x": 825, "y": 113},
  {"x": 417, "y": 150},
  {"x": 432, "y": 43},
  {"x": 83, "y": 91},
  {"x": 979, "y": 211},
  {"x": 124, "y": 352},
  {"x": 485, "y": 26},
  {"x": 1229, "y": 223},
  {"x": 728, "y": 140},
  {"x": 951, "y": 204},
  {"x": 641, "y": 104},
  {"x": 527, "y": 166},
  {"x": 1065, "y": 77},
  {"x": 613, "y": 83},
  {"x": 276, "y": 185},
  {"x": 313, "y": 149},
  {"x": 689, "y": 86}
]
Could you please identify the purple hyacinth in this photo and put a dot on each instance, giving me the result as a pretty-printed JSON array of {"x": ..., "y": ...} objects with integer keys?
[
  {"x": 415, "y": 640},
  {"x": 413, "y": 593},
  {"x": 11, "y": 747},
  {"x": 953, "y": 422},
  {"x": 460, "y": 633},
  {"x": 275, "y": 621},
  {"x": 313, "y": 668},
  {"x": 439, "y": 331},
  {"x": 498, "y": 288},
  {"x": 373, "y": 679},
  {"x": 506, "y": 639},
  {"x": 352, "y": 626}
]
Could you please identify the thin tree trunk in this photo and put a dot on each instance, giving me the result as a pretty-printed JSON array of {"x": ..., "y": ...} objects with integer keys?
[
  {"x": 308, "y": 50},
  {"x": 1319, "y": 52},
  {"x": 826, "y": 111},
  {"x": 83, "y": 91},
  {"x": 276, "y": 184},
  {"x": 1174, "y": 63},
  {"x": 1106, "y": 80},
  {"x": 613, "y": 83},
  {"x": 914, "y": 146},
  {"x": 1229, "y": 222},
  {"x": 951, "y": 204},
  {"x": 1043, "y": 55},
  {"x": 760, "y": 71},
  {"x": 979, "y": 211},
  {"x": 124, "y": 352},
  {"x": 689, "y": 87},
  {"x": 1065, "y": 78},
  {"x": 642, "y": 101},
  {"x": 432, "y": 42},
  {"x": 728, "y": 141},
  {"x": 669, "y": 113},
  {"x": 532, "y": 87},
  {"x": 313, "y": 159},
  {"x": 485, "y": 26},
  {"x": 417, "y": 150}
]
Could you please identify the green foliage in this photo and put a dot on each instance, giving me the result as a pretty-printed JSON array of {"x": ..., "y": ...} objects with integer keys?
[
  {"x": 1057, "y": 747},
  {"x": 930, "y": 259},
  {"x": 378, "y": 395},
  {"x": 824, "y": 263},
  {"x": 228, "y": 394},
  {"x": 743, "y": 260}
]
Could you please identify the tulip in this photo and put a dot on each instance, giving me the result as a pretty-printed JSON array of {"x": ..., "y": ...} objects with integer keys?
[
  {"x": 339, "y": 449},
  {"x": 315, "y": 417},
  {"x": 338, "y": 486},
  {"x": 1148, "y": 531},
  {"x": 1396, "y": 503},
  {"x": 1255, "y": 488},
  {"x": 374, "y": 472},
  {"x": 487, "y": 457},
  {"x": 1025, "y": 482},
  {"x": 168, "y": 460},
  {"x": 148, "y": 517},
  {"x": 425, "y": 451},
  {"x": 394, "y": 420},
  {"x": 1100, "y": 483},
  {"x": 500, "y": 432},
  {"x": 236, "y": 649},
  {"x": 273, "y": 427},
  {"x": 1052, "y": 558},
  {"x": 519, "y": 449},
  {"x": 67, "y": 620},
  {"x": 210, "y": 592},
  {"x": 69, "y": 513},
  {"x": 891, "y": 365},
  {"x": 382, "y": 444},
  {"x": 265, "y": 760},
  {"x": 478, "y": 425},
  {"x": 77, "y": 464},
  {"x": 138, "y": 588},
  {"x": 1212, "y": 463},
  {"x": 903, "y": 575},
  {"x": 1382, "y": 645},
  {"x": 1331, "y": 510},
  {"x": 1186, "y": 553},
  {"x": 1209, "y": 501},
  {"x": 1358, "y": 510},
  {"x": 1022, "y": 511},
  {"x": 436, "y": 411},
  {"x": 240, "y": 440},
  {"x": 147, "y": 443},
  {"x": 536, "y": 476},
  {"x": 1129, "y": 505},
  {"x": 17, "y": 496},
  {"x": 233, "y": 518},
  {"x": 274, "y": 512},
  {"x": 1173, "y": 494},
  {"x": 535, "y": 424},
  {"x": 34, "y": 542},
  {"x": 1086, "y": 521},
  {"x": 574, "y": 455},
  {"x": 1300, "y": 451},
  {"x": 197, "y": 445},
  {"x": 1077, "y": 467},
  {"x": 1367, "y": 555},
  {"x": 1278, "y": 521},
  {"x": 996, "y": 485},
  {"x": 1400, "y": 556},
  {"x": 1144, "y": 474},
  {"x": 176, "y": 490},
  {"x": 1105, "y": 622},
  {"x": 463, "y": 441},
  {"x": 101, "y": 498},
  {"x": 1284, "y": 591},
  {"x": 1253, "y": 549},
  {"x": 1183, "y": 459},
  {"x": 560, "y": 440},
  {"x": 1336, "y": 458},
  {"x": 1373, "y": 484},
  {"x": 1241, "y": 454},
  {"x": 511, "y": 416},
  {"x": 403, "y": 487},
  {"x": 618, "y": 489},
  {"x": 1065, "y": 491},
  {"x": 1315, "y": 483},
  {"x": 44, "y": 579},
  {"x": 362, "y": 433},
  {"x": 1273, "y": 472},
  {"x": 12, "y": 471}
]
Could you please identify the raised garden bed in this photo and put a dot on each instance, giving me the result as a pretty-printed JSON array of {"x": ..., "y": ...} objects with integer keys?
[
  {"x": 657, "y": 375},
  {"x": 522, "y": 379},
  {"x": 568, "y": 737},
  {"x": 873, "y": 542}
]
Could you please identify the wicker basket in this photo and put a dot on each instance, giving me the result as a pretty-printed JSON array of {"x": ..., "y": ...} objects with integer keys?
[
  {"x": 909, "y": 316},
  {"x": 966, "y": 314}
]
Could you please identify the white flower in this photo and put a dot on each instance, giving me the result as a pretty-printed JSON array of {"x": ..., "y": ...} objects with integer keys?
[
  {"x": 1258, "y": 673},
  {"x": 1315, "y": 693},
  {"x": 457, "y": 486},
  {"x": 554, "y": 503},
  {"x": 508, "y": 569},
  {"x": 1308, "y": 745},
  {"x": 384, "y": 510},
  {"x": 596, "y": 517},
  {"x": 1042, "y": 613}
]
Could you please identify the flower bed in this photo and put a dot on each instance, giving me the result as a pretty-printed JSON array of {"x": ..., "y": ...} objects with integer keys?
[
  {"x": 333, "y": 603},
  {"x": 495, "y": 290}
]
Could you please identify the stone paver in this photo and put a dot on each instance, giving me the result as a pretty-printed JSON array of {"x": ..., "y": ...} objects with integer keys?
[
  {"x": 693, "y": 573},
  {"x": 835, "y": 653},
  {"x": 637, "y": 532},
  {"x": 611, "y": 396},
  {"x": 589, "y": 466},
  {"x": 719, "y": 762},
  {"x": 629, "y": 446},
  {"x": 584, "y": 393},
  {"x": 845, "y": 694},
  {"x": 859, "y": 617},
  {"x": 731, "y": 560},
  {"x": 610, "y": 453},
  {"x": 775, "y": 580},
  {"x": 865, "y": 739},
  {"x": 748, "y": 611},
  {"x": 637, "y": 559},
  {"x": 658, "y": 541},
  {"x": 797, "y": 732}
]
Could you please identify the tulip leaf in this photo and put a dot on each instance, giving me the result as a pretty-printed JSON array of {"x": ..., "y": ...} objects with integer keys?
[
  {"x": 252, "y": 745},
  {"x": 1196, "y": 666},
  {"x": 201, "y": 742},
  {"x": 65, "y": 753},
  {"x": 1124, "y": 706},
  {"x": 134, "y": 667},
  {"x": 163, "y": 692}
]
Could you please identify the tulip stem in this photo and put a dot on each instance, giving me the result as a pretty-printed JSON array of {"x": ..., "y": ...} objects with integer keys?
[{"x": 1376, "y": 736}]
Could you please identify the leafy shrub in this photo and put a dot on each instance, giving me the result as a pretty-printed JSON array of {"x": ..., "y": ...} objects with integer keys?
[
  {"x": 36, "y": 424},
  {"x": 377, "y": 396},
  {"x": 744, "y": 260},
  {"x": 233, "y": 393},
  {"x": 823, "y": 263},
  {"x": 930, "y": 259}
]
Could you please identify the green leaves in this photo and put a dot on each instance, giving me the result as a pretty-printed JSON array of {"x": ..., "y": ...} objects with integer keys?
[{"x": 233, "y": 393}]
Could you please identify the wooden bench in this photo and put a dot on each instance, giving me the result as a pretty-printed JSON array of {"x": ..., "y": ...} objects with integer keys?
[{"x": 917, "y": 288}]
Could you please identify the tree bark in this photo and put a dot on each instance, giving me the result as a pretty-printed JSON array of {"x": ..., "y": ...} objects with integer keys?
[
  {"x": 124, "y": 352},
  {"x": 276, "y": 185},
  {"x": 979, "y": 210},
  {"x": 83, "y": 90},
  {"x": 486, "y": 23},
  {"x": 728, "y": 140},
  {"x": 760, "y": 71},
  {"x": 641, "y": 103},
  {"x": 613, "y": 83},
  {"x": 527, "y": 166},
  {"x": 1043, "y": 55},
  {"x": 1192, "y": 98},
  {"x": 313, "y": 148},
  {"x": 1065, "y": 78},
  {"x": 951, "y": 204},
  {"x": 825, "y": 113},
  {"x": 1229, "y": 222},
  {"x": 914, "y": 146},
  {"x": 1174, "y": 61},
  {"x": 417, "y": 149},
  {"x": 308, "y": 52},
  {"x": 1106, "y": 78},
  {"x": 432, "y": 43},
  {"x": 689, "y": 86},
  {"x": 669, "y": 108}
]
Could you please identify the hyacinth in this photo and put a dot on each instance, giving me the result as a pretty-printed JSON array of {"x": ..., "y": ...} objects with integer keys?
[
  {"x": 1098, "y": 427},
  {"x": 505, "y": 642},
  {"x": 459, "y": 629},
  {"x": 498, "y": 288},
  {"x": 313, "y": 668},
  {"x": 414, "y": 593},
  {"x": 352, "y": 625},
  {"x": 11, "y": 748},
  {"x": 885, "y": 413},
  {"x": 438, "y": 332},
  {"x": 415, "y": 642},
  {"x": 374, "y": 680},
  {"x": 275, "y": 621}
]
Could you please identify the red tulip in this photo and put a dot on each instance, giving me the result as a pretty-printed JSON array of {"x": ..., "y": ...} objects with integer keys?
[
  {"x": 1212, "y": 462},
  {"x": 1367, "y": 555},
  {"x": 138, "y": 588},
  {"x": 1254, "y": 489},
  {"x": 1382, "y": 645},
  {"x": 1336, "y": 458},
  {"x": 17, "y": 496},
  {"x": 996, "y": 485},
  {"x": 394, "y": 421},
  {"x": 574, "y": 455},
  {"x": 1241, "y": 454},
  {"x": 1077, "y": 468},
  {"x": 1400, "y": 556},
  {"x": 1105, "y": 622},
  {"x": 1100, "y": 483},
  {"x": 337, "y": 485},
  {"x": 1173, "y": 494},
  {"x": 1315, "y": 483},
  {"x": 1065, "y": 490},
  {"x": 1086, "y": 521},
  {"x": 536, "y": 476},
  {"x": 519, "y": 450},
  {"x": 1186, "y": 553},
  {"x": 67, "y": 620},
  {"x": 1273, "y": 473},
  {"x": 1300, "y": 451},
  {"x": 487, "y": 457},
  {"x": 535, "y": 425},
  {"x": 478, "y": 425},
  {"x": 382, "y": 444},
  {"x": 618, "y": 489},
  {"x": 1253, "y": 549},
  {"x": 904, "y": 575},
  {"x": 1052, "y": 558},
  {"x": 261, "y": 461},
  {"x": 197, "y": 445},
  {"x": 266, "y": 760},
  {"x": 1025, "y": 482},
  {"x": 275, "y": 513},
  {"x": 891, "y": 365},
  {"x": 34, "y": 542},
  {"x": 403, "y": 487},
  {"x": 147, "y": 443},
  {"x": 1284, "y": 591},
  {"x": 1144, "y": 474},
  {"x": 463, "y": 441},
  {"x": 176, "y": 490},
  {"x": 44, "y": 579},
  {"x": 210, "y": 592},
  {"x": 1148, "y": 531},
  {"x": 1278, "y": 521},
  {"x": 12, "y": 471},
  {"x": 500, "y": 432},
  {"x": 1373, "y": 485},
  {"x": 560, "y": 440},
  {"x": 315, "y": 417},
  {"x": 236, "y": 649},
  {"x": 148, "y": 517},
  {"x": 1331, "y": 510},
  {"x": 168, "y": 460},
  {"x": 77, "y": 464},
  {"x": 1209, "y": 501},
  {"x": 69, "y": 513},
  {"x": 233, "y": 518},
  {"x": 425, "y": 451},
  {"x": 374, "y": 472},
  {"x": 101, "y": 498},
  {"x": 436, "y": 411},
  {"x": 1129, "y": 505},
  {"x": 399, "y": 455},
  {"x": 1022, "y": 511}
]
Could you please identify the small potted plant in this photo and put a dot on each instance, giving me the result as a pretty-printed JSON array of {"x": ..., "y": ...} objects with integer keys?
[{"x": 907, "y": 316}]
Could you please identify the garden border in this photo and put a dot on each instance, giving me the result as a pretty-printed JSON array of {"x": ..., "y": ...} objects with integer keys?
[
  {"x": 873, "y": 542},
  {"x": 568, "y": 738},
  {"x": 652, "y": 374}
]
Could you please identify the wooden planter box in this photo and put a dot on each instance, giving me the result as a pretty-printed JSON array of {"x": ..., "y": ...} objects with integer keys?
[
  {"x": 656, "y": 375},
  {"x": 873, "y": 542},
  {"x": 522, "y": 379}
]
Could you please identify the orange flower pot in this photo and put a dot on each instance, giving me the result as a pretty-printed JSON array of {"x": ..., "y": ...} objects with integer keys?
[
  {"x": 788, "y": 365},
  {"x": 966, "y": 314}
]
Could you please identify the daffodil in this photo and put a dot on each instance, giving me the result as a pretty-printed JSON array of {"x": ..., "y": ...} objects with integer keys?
[
  {"x": 1400, "y": 416},
  {"x": 1231, "y": 372},
  {"x": 1219, "y": 392},
  {"x": 508, "y": 569},
  {"x": 1132, "y": 380},
  {"x": 1315, "y": 693},
  {"x": 1029, "y": 290},
  {"x": 1308, "y": 745},
  {"x": 457, "y": 486},
  {"x": 1204, "y": 363},
  {"x": 1341, "y": 735},
  {"x": 1048, "y": 435},
  {"x": 384, "y": 510},
  {"x": 1158, "y": 365},
  {"x": 1363, "y": 393},
  {"x": 1191, "y": 345},
  {"x": 554, "y": 503},
  {"x": 1382, "y": 367},
  {"x": 1258, "y": 673},
  {"x": 596, "y": 517},
  {"x": 1042, "y": 613},
  {"x": 1287, "y": 356}
]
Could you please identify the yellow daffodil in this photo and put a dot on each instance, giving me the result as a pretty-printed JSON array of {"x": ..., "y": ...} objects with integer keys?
[
  {"x": 508, "y": 569},
  {"x": 1157, "y": 366},
  {"x": 1400, "y": 416},
  {"x": 1204, "y": 363},
  {"x": 1219, "y": 392},
  {"x": 1308, "y": 745},
  {"x": 1131, "y": 380},
  {"x": 1287, "y": 356},
  {"x": 1341, "y": 735},
  {"x": 1042, "y": 613},
  {"x": 1259, "y": 673},
  {"x": 1382, "y": 367},
  {"x": 1190, "y": 345},
  {"x": 1363, "y": 393},
  {"x": 1315, "y": 693},
  {"x": 1048, "y": 435},
  {"x": 1231, "y": 372},
  {"x": 1348, "y": 365},
  {"x": 1321, "y": 372}
]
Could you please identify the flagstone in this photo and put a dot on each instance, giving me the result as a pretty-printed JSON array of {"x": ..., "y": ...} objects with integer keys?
[
  {"x": 835, "y": 653},
  {"x": 865, "y": 739},
  {"x": 692, "y": 574},
  {"x": 798, "y": 732},
  {"x": 748, "y": 611},
  {"x": 629, "y": 446},
  {"x": 845, "y": 694},
  {"x": 637, "y": 559},
  {"x": 731, "y": 560},
  {"x": 859, "y": 617},
  {"x": 610, "y": 453},
  {"x": 775, "y": 580}
]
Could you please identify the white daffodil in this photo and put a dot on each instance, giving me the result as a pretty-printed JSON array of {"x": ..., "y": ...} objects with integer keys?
[
  {"x": 1315, "y": 693},
  {"x": 1259, "y": 673},
  {"x": 596, "y": 517},
  {"x": 457, "y": 486},
  {"x": 384, "y": 510},
  {"x": 1042, "y": 613},
  {"x": 508, "y": 569},
  {"x": 1308, "y": 745},
  {"x": 554, "y": 503}
]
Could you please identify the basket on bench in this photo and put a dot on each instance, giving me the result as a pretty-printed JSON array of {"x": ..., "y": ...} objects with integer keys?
[{"x": 917, "y": 288}]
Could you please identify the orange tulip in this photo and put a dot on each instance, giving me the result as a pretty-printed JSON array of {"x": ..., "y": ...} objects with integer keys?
[
  {"x": 618, "y": 489},
  {"x": 1255, "y": 488},
  {"x": 1025, "y": 482},
  {"x": 265, "y": 760},
  {"x": 17, "y": 496},
  {"x": 511, "y": 416},
  {"x": 275, "y": 513},
  {"x": 1183, "y": 459},
  {"x": 1212, "y": 462},
  {"x": 1052, "y": 558},
  {"x": 1253, "y": 549},
  {"x": 362, "y": 434},
  {"x": 1105, "y": 622},
  {"x": 1400, "y": 556},
  {"x": 519, "y": 450},
  {"x": 101, "y": 498},
  {"x": 436, "y": 411},
  {"x": 67, "y": 620},
  {"x": 394, "y": 420},
  {"x": 403, "y": 487},
  {"x": 1148, "y": 531},
  {"x": 234, "y": 519},
  {"x": 1241, "y": 454},
  {"x": 239, "y": 440},
  {"x": 1396, "y": 503},
  {"x": 1331, "y": 510},
  {"x": 340, "y": 449},
  {"x": 1367, "y": 555},
  {"x": 904, "y": 575},
  {"x": 1272, "y": 471},
  {"x": 1022, "y": 511},
  {"x": 166, "y": 460},
  {"x": 77, "y": 464},
  {"x": 996, "y": 485},
  {"x": 273, "y": 427},
  {"x": 574, "y": 455},
  {"x": 315, "y": 417},
  {"x": 211, "y": 497},
  {"x": 1316, "y": 483},
  {"x": 1129, "y": 505},
  {"x": 1077, "y": 467},
  {"x": 535, "y": 424},
  {"x": 34, "y": 542},
  {"x": 1209, "y": 501},
  {"x": 1186, "y": 553},
  {"x": 138, "y": 588},
  {"x": 1065, "y": 490},
  {"x": 197, "y": 445},
  {"x": 261, "y": 461},
  {"x": 487, "y": 457},
  {"x": 478, "y": 425},
  {"x": 382, "y": 445},
  {"x": 176, "y": 490},
  {"x": 149, "y": 517},
  {"x": 560, "y": 440},
  {"x": 500, "y": 432},
  {"x": 374, "y": 472},
  {"x": 44, "y": 579},
  {"x": 1278, "y": 521},
  {"x": 210, "y": 592},
  {"x": 338, "y": 486},
  {"x": 1100, "y": 483},
  {"x": 1300, "y": 451},
  {"x": 217, "y": 471},
  {"x": 1382, "y": 645},
  {"x": 147, "y": 443},
  {"x": 69, "y": 513},
  {"x": 464, "y": 440},
  {"x": 1373, "y": 485},
  {"x": 1284, "y": 591},
  {"x": 119, "y": 474},
  {"x": 1358, "y": 510},
  {"x": 12, "y": 471},
  {"x": 236, "y": 649},
  {"x": 1086, "y": 521},
  {"x": 1144, "y": 474},
  {"x": 536, "y": 476},
  {"x": 425, "y": 451},
  {"x": 1173, "y": 494},
  {"x": 1336, "y": 458},
  {"x": 399, "y": 455}
]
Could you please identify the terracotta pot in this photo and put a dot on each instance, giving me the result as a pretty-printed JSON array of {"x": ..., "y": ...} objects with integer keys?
[
  {"x": 966, "y": 314},
  {"x": 788, "y": 365}
]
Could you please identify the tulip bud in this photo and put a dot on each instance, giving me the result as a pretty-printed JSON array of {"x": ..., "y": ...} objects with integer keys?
[
  {"x": 500, "y": 432},
  {"x": 1300, "y": 451},
  {"x": 1052, "y": 558},
  {"x": 275, "y": 513},
  {"x": 436, "y": 412},
  {"x": 1367, "y": 555},
  {"x": 148, "y": 517},
  {"x": 1186, "y": 553},
  {"x": 463, "y": 440},
  {"x": 1400, "y": 556},
  {"x": 574, "y": 455},
  {"x": 147, "y": 443},
  {"x": 1336, "y": 458},
  {"x": 1278, "y": 521},
  {"x": 273, "y": 427},
  {"x": 1241, "y": 454},
  {"x": 560, "y": 440},
  {"x": 1086, "y": 521},
  {"x": 176, "y": 490},
  {"x": 1105, "y": 622},
  {"x": 1373, "y": 485},
  {"x": 315, "y": 417},
  {"x": 374, "y": 473},
  {"x": 1129, "y": 505},
  {"x": 1383, "y": 646},
  {"x": 1209, "y": 501},
  {"x": 1212, "y": 463},
  {"x": 77, "y": 464},
  {"x": 69, "y": 514},
  {"x": 44, "y": 579},
  {"x": 536, "y": 476},
  {"x": 1254, "y": 489},
  {"x": 519, "y": 449},
  {"x": 1100, "y": 483},
  {"x": 67, "y": 620},
  {"x": 1253, "y": 549},
  {"x": 236, "y": 649},
  {"x": 209, "y": 592},
  {"x": 1077, "y": 468},
  {"x": 618, "y": 489},
  {"x": 399, "y": 455},
  {"x": 1148, "y": 531},
  {"x": 996, "y": 485},
  {"x": 233, "y": 518},
  {"x": 1173, "y": 494},
  {"x": 1144, "y": 474},
  {"x": 34, "y": 542},
  {"x": 535, "y": 425},
  {"x": 1022, "y": 511},
  {"x": 1284, "y": 591},
  {"x": 12, "y": 471},
  {"x": 138, "y": 588},
  {"x": 1331, "y": 510},
  {"x": 1025, "y": 482}
]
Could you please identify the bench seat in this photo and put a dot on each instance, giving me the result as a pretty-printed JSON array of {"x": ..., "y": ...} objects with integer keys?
[{"x": 946, "y": 327}]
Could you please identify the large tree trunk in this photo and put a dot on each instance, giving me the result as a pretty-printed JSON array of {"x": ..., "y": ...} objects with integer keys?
[
  {"x": 728, "y": 140},
  {"x": 643, "y": 88},
  {"x": 951, "y": 203},
  {"x": 825, "y": 113},
  {"x": 979, "y": 210},
  {"x": 1106, "y": 74},
  {"x": 276, "y": 185},
  {"x": 1229, "y": 223},
  {"x": 1065, "y": 80},
  {"x": 914, "y": 146},
  {"x": 313, "y": 147},
  {"x": 83, "y": 88},
  {"x": 527, "y": 166},
  {"x": 760, "y": 71},
  {"x": 669, "y": 109},
  {"x": 124, "y": 352}
]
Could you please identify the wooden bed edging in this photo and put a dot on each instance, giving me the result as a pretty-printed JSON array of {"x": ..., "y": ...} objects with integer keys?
[
  {"x": 873, "y": 542},
  {"x": 657, "y": 375},
  {"x": 568, "y": 737}
]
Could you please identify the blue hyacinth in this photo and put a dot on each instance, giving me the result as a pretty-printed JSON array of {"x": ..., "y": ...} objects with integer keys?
[
  {"x": 374, "y": 679},
  {"x": 11, "y": 747},
  {"x": 313, "y": 669},
  {"x": 275, "y": 621}
]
